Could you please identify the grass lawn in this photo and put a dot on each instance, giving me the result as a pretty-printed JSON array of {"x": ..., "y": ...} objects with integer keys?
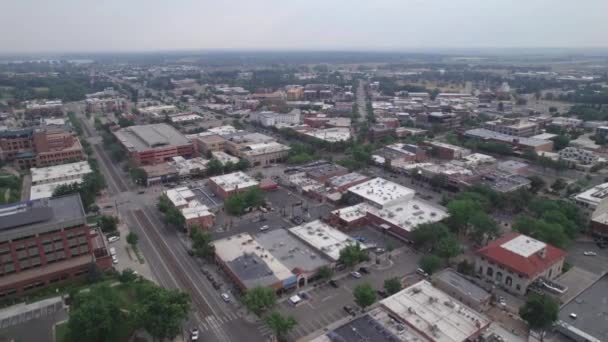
[
  {"x": 61, "y": 331},
  {"x": 10, "y": 188}
]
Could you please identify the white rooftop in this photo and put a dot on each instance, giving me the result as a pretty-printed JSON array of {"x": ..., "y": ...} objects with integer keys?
[
  {"x": 435, "y": 314},
  {"x": 594, "y": 195},
  {"x": 224, "y": 157},
  {"x": 382, "y": 192},
  {"x": 46, "y": 190},
  {"x": 235, "y": 180},
  {"x": 227, "y": 129},
  {"x": 180, "y": 196},
  {"x": 331, "y": 134},
  {"x": 53, "y": 174},
  {"x": 195, "y": 210},
  {"x": 323, "y": 237},
  {"x": 524, "y": 245},
  {"x": 264, "y": 148}
]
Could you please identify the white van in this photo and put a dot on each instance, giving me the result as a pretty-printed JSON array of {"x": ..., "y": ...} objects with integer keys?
[
  {"x": 294, "y": 300},
  {"x": 112, "y": 251}
]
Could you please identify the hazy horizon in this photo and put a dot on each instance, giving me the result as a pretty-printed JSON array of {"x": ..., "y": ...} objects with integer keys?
[{"x": 64, "y": 26}]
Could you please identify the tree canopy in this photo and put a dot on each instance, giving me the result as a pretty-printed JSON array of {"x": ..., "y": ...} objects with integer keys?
[
  {"x": 364, "y": 295},
  {"x": 430, "y": 263},
  {"x": 392, "y": 285},
  {"x": 352, "y": 255},
  {"x": 259, "y": 299},
  {"x": 279, "y": 324},
  {"x": 540, "y": 311}
]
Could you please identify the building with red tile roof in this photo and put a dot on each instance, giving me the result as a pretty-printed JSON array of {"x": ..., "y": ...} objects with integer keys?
[{"x": 515, "y": 261}]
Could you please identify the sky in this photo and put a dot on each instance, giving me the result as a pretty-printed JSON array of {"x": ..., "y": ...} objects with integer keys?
[{"x": 29, "y": 26}]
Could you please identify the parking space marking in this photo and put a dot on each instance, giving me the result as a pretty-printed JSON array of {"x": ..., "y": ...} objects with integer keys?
[{"x": 327, "y": 298}]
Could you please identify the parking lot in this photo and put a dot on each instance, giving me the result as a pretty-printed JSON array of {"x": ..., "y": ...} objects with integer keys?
[{"x": 325, "y": 303}]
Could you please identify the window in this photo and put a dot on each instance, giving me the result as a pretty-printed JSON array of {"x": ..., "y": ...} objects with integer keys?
[
  {"x": 518, "y": 287},
  {"x": 509, "y": 281},
  {"x": 490, "y": 272},
  {"x": 499, "y": 276}
]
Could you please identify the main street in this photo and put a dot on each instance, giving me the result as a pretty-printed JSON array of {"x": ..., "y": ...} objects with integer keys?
[{"x": 167, "y": 255}]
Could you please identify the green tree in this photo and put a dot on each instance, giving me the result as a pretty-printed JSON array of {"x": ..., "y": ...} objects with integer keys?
[
  {"x": 214, "y": 167},
  {"x": 427, "y": 235},
  {"x": 164, "y": 203},
  {"x": 483, "y": 228},
  {"x": 161, "y": 311},
  {"x": 174, "y": 217},
  {"x": 139, "y": 176},
  {"x": 325, "y": 272},
  {"x": 235, "y": 204},
  {"x": 201, "y": 242},
  {"x": 430, "y": 263},
  {"x": 94, "y": 316},
  {"x": 259, "y": 299},
  {"x": 117, "y": 153},
  {"x": 108, "y": 223},
  {"x": 448, "y": 247},
  {"x": 364, "y": 295},
  {"x": 132, "y": 239},
  {"x": 351, "y": 255},
  {"x": 536, "y": 183},
  {"x": 460, "y": 213},
  {"x": 559, "y": 185},
  {"x": 243, "y": 164},
  {"x": 392, "y": 285},
  {"x": 279, "y": 324},
  {"x": 560, "y": 142},
  {"x": 540, "y": 312},
  {"x": 127, "y": 276}
]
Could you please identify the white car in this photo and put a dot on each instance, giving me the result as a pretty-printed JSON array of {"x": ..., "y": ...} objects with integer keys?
[
  {"x": 194, "y": 335},
  {"x": 355, "y": 274},
  {"x": 264, "y": 228},
  {"x": 114, "y": 259},
  {"x": 113, "y": 238},
  {"x": 225, "y": 297},
  {"x": 589, "y": 253}
]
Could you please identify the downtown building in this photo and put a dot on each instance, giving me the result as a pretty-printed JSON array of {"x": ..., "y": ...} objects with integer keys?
[{"x": 46, "y": 241}]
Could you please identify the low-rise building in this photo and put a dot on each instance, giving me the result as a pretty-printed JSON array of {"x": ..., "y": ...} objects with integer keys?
[
  {"x": 459, "y": 287},
  {"x": 344, "y": 182},
  {"x": 521, "y": 143},
  {"x": 154, "y": 144},
  {"x": 195, "y": 213},
  {"x": 516, "y": 261},
  {"x": 447, "y": 151},
  {"x": 514, "y": 127},
  {"x": 332, "y": 135},
  {"x": 599, "y": 219},
  {"x": 45, "y": 180},
  {"x": 592, "y": 197},
  {"x": 324, "y": 238},
  {"x": 577, "y": 156},
  {"x": 232, "y": 183}
]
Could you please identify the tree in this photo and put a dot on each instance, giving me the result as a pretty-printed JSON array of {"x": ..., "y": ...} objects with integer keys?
[
  {"x": 430, "y": 263},
  {"x": 448, "y": 247},
  {"x": 214, "y": 167},
  {"x": 325, "y": 272},
  {"x": 107, "y": 223},
  {"x": 127, "y": 276},
  {"x": 540, "y": 312},
  {"x": 560, "y": 142},
  {"x": 161, "y": 311},
  {"x": 460, "y": 213},
  {"x": 139, "y": 175},
  {"x": 174, "y": 217},
  {"x": 427, "y": 235},
  {"x": 132, "y": 239},
  {"x": 483, "y": 228},
  {"x": 242, "y": 164},
  {"x": 559, "y": 184},
  {"x": 259, "y": 299},
  {"x": 164, "y": 203},
  {"x": 351, "y": 255},
  {"x": 364, "y": 295},
  {"x": 201, "y": 242},
  {"x": 280, "y": 324},
  {"x": 392, "y": 285},
  {"x": 536, "y": 183},
  {"x": 94, "y": 316}
]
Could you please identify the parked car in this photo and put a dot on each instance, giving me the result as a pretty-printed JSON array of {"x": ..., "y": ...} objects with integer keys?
[
  {"x": 194, "y": 334},
  {"x": 113, "y": 238},
  {"x": 359, "y": 238},
  {"x": 225, "y": 297},
  {"x": 114, "y": 259},
  {"x": 350, "y": 310},
  {"x": 589, "y": 253},
  {"x": 264, "y": 228},
  {"x": 355, "y": 274},
  {"x": 333, "y": 283},
  {"x": 363, "y": 270},
  {"x": 422, "y": 272}
]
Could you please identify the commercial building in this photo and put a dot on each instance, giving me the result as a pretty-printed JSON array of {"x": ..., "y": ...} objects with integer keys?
[
  {"x": 419, "y": 312},
  {"x": 195, "y": 213},
  {"x": 344, "y": 182},
  {"x": 521, "y": 143},
  {"x": 39, "y": 147},
  {"x": 273, "y": 119},
  {"x": 46, "y": 180},
  {"x": 457, "y": 286},
  {"x": 599, "y": 219},
  {"x": 258, "y": 149},
  {"x": 592, "y": 197},
  {"x": 42, "y": 108},
  {"x": 205, "y": 144},
  {"x": 46, "y": 241},
  {"x": 154, "y": 144},
  {"x": 576, "y": 156},
  {"x": 224, "y": 157},
  {"x": 389, "y": 207},
  {"x": 232, "y": 183},
  {"x": 331, "y": 135},
  {"x": 447, "y": 151},
  {"x": 514, "y": 127},
  {"x": 516, "y": 261},
  {"x": 322, "y": 171},
  {"x": 324, "y": 238}
]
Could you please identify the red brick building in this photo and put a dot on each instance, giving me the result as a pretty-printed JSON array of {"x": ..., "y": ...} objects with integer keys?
[
  {"x": 46, "y": 241},
  {"x": 154, "y": 144},
  {"x": 232, "y": 183}
]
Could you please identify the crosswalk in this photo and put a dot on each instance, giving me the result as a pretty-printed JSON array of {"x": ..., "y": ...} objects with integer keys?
[{"x": 212, "y": 323}]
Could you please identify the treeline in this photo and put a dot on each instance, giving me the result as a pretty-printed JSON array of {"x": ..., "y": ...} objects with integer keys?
[{"x": 65, "y": 86}]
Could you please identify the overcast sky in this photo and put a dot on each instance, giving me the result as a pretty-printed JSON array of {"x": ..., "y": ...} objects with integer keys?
[{"x": 142, "y": 25}]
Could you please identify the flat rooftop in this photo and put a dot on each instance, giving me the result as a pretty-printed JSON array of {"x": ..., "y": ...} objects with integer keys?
[
  {"x": 382, "y": 192},
  {"x": 323, "y": 237},
  {"x": 409, "y": 214},
  {"x": 57, "y": 172},
  {"x": 250, "y": 261},
  {"x": 434, "y": 313},
  {"x": 235, "y": 180},
  {"x": 147, "y": 137},
  {"x": 46, "y": 190},
  {"x": 591, "y": 308},
  {"x": 32, "y": 217},
  {"x": 449, "y": 276},
  {"x": 296, "y": 255},
  {"x": 483, "y": 133},
  {"x": 346, "y": 179},
  {"x": 594, "y": 195},
  {"x": 331, "y": 134},
  {"x": 265, "y": 148}
]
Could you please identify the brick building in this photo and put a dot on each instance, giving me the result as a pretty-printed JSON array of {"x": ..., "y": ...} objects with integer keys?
[
  {"x": 232, "y": 183},
  {"x": 46, "y": 241},
  {"x": 154, "y": 144}
]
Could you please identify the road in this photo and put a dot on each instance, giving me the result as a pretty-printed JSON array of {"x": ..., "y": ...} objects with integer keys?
[
  {"x": 361, "y": 103},
  {"x": 167, "y": 256}
]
